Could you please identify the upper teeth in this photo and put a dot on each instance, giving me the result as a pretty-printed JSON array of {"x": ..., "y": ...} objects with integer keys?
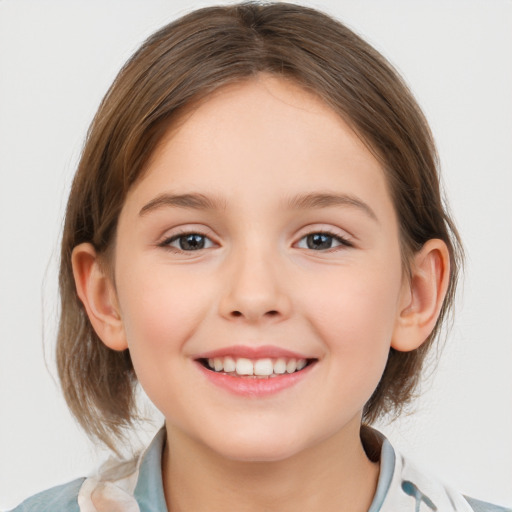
[{"x": 260, "y": 367}]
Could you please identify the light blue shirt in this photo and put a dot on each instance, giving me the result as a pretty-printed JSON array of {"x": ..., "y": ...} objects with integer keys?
[{"x": 137, "y": 486}]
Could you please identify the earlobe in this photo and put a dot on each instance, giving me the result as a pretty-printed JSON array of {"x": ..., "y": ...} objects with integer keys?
[
  {"x": 97, "y": 293},
  {"x": 422, "y": 296}
]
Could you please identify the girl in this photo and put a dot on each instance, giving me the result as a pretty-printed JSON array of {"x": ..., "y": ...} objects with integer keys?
[{"x": 254, "y": 233}]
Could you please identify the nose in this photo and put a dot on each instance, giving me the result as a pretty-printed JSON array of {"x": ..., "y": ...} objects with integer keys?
[{"x": 254, "y": 289}]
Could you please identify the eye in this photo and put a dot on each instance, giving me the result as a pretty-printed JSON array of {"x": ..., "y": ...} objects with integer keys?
[
  {"x": 188, "y": 242},
  {"x": 322, "y": 241}
]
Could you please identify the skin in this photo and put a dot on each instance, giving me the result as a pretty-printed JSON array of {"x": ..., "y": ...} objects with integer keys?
[{"x": 251, "y": 148}]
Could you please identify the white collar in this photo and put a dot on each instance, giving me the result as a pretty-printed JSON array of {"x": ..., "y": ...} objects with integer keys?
[{"x": 402, "y": 487}]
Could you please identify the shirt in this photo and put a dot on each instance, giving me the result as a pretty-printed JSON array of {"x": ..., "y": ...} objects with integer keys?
[{"x": 136, "y": 486}]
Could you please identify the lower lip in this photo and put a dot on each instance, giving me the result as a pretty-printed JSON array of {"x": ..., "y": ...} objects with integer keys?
[{"x": 254, "y": 386}]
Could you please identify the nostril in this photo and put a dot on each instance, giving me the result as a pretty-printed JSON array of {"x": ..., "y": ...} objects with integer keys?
[{"x": 271, "y": 313}]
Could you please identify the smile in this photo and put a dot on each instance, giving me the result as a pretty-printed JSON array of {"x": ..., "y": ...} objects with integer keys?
[
  {"x": 258, "y": 368},
  {"x": 255, "y": 372}
]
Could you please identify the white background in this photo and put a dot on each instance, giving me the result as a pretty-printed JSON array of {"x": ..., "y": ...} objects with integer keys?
[{"x": 57, "y": 60}]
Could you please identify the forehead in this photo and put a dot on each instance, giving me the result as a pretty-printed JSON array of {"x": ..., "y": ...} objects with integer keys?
[{"x": 265, "y": 136}]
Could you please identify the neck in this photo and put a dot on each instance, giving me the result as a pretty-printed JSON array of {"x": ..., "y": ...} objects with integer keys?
[{"x": 334, "y": 475}]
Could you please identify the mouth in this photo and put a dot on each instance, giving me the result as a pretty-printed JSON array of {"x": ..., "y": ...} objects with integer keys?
[
  {"x": 262, "y": 368},
  {"x": 255, "y": 372}
]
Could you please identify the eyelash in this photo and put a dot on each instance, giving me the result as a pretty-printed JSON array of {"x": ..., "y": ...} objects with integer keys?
[
  {"x": 166, "y": 244},
  {"x": 343, "y": 242}
]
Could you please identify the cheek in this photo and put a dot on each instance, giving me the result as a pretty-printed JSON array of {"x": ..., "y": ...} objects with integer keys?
[
  {"x": 159, "y": 318},
  {"x": 355, "y": 314},
  {"x": 359, "y": 303},
  {"x": 160, "y": 311}
]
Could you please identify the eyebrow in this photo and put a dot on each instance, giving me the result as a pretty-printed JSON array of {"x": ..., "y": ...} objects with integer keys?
[
  {"x": 325, "y": 200},
  {"x": 192, "y": 201},
  {"x": 302, "y": 201}
]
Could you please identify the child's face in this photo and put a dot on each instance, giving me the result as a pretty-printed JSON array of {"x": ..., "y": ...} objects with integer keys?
[{"x": 262, "y": 228}]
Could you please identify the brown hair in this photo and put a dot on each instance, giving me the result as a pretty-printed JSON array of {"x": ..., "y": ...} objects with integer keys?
[{"x": 185, "y": 61}]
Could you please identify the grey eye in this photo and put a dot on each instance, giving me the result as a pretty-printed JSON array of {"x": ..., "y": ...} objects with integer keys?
[
  {"x": 189, "y": 242},
  {"x": 321, "y": 241}
]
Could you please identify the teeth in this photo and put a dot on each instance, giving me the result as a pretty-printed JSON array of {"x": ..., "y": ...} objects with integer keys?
[
  {"x": 260, "y": 367},
  {"x": 229, "y": 364},
  {"x": 244, "y": 367},
  {"x": 291, "y": 366},
  {"x": 280, "y": 366},
  {"x": 263, "y": 367},
  {"x": 300, "y": 364}
]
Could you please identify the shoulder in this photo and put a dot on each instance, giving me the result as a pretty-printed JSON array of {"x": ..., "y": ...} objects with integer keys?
[
  {"x": 406, "y": 487},
  {"x": 422, "y": 487},
  {"x": 62, "y": 498},
  {"x": 128, "y": 485},
  {"x": 482, "y": 506}
]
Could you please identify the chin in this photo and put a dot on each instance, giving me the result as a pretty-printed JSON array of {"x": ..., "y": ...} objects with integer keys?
[
  {"x": 258, "y": 453},
  {"x": 262, "y": 446}
]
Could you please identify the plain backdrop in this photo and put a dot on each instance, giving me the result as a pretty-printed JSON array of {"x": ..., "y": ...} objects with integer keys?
[{"x": 57, "y": 60}]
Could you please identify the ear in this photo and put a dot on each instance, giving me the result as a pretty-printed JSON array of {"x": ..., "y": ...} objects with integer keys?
[
  {"x": 422, "y": 296},
  {"x": 97, "y": 293}
]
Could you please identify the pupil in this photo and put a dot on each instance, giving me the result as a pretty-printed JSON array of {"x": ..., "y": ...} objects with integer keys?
[
  {"x": 192, "y": 242},
  {"x": 319, "y": 241}
]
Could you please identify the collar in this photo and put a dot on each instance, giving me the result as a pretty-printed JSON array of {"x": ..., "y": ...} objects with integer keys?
[{"x": 136, "y": 485}]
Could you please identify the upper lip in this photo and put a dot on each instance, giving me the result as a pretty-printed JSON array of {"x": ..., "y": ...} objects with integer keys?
[{"x": 252, "y": 352}]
